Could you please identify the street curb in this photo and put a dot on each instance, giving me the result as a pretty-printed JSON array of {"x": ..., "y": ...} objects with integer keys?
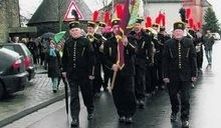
[{"x": 30, "y": 110}]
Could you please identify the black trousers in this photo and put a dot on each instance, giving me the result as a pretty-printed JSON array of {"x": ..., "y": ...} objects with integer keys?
[
  {"x": 199, "y": 59},
  {"x": 107, "y": 76},
  {"x": 87, "y": 94},
  {"x": 151, "y": 78},
  {"x": 140, "y": 83},
  {"x": 97, "y": 83},
  {"x": 183, "y": 89},
  {"x": 123, "y": 95},
  {"x": 158, "y": 66}
]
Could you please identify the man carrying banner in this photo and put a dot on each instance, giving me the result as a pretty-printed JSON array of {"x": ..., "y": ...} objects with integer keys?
[{"x": 119, "y": 56}]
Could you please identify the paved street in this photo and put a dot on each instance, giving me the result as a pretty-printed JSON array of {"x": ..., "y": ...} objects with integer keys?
[{"x": 205, "y": 107}]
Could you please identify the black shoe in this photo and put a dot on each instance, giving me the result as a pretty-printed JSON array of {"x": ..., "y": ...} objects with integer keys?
[
  {"x": 185, "y": 124},
  {"x": 148, "y": 95},
  {"x": 97, "y": 95},
  {"x": 173, "y": 117},
  {"x": 106, "y": 89},
  {"x": 141, "y": 104},
  {"x": 74, "y": 124},
  {"x": 129, "y": 120},
  {"x": 122, "y": 119},
  {"x": 162, "y": 87},
  {"x": 90, "y": 116}
]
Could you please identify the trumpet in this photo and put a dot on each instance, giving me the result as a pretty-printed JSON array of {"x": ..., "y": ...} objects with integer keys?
[{"x": 91, "y": 37}]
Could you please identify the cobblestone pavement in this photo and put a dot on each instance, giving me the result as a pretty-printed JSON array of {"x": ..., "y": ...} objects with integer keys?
[{"x": 37, "y": 94}]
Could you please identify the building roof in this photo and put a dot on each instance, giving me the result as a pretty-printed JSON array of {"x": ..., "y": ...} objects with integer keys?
[
  {"x": 163, "y": 1},
  {"x": 204, "y": 3},
  {"x": 48, "y": 11}
]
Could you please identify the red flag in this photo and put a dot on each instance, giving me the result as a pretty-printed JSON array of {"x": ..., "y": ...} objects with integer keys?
[
  {"x": 119, "y": 11},
  {"x": 126, "y": 15}
]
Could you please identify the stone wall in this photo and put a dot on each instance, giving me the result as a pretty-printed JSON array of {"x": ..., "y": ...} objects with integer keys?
[{"x": 9, "y": 15}]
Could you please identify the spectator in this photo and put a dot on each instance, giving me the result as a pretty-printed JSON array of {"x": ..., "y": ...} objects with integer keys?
[{"x": 208, "y": 41}]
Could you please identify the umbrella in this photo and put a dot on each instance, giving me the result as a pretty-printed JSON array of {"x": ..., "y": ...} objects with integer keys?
[
  {"x": 66, "y": 94},
  {"x": 59, "y": 36},
  {"x": 47, "y": 35},
  {"x": 65, "y": 81}
]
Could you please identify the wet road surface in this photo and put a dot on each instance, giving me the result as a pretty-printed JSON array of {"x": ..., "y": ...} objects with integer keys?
[{"x": 205, "y": 107}]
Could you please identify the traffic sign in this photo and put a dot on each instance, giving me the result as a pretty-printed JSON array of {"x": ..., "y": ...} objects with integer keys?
[{"x": 69, "y": 16}]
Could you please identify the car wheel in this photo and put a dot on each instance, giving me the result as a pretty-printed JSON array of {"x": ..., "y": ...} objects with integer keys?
[{"x": 1, "y": 91}]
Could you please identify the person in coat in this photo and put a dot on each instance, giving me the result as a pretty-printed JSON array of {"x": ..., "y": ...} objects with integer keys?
[
  {"x": 179, "y": 71},
  {"x": 96, "y": 41},
  {"x": 119, "y": 56},
  {"x": 208, "y": 41},
  {"x": 144, "y": 52},
  {"x": 78, "y": 67},
  {"x": 54, "y": 65}
]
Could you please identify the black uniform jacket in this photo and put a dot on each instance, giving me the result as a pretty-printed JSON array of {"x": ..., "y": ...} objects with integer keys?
[
  {"x": 179, "y": 65},
  {"x": 144, "y": 48},
  {"x": 78, "y": 57},
  {"x": 96, "y": 45},
  {"x": 110, "y": 56}
]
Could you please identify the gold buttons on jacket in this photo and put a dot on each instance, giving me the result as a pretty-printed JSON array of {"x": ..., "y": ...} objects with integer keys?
[
  {"x": 74, "y": 55},
  {"x": 179, "y": 54}
]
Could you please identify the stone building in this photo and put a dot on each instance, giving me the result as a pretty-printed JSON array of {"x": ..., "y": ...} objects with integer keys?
[
  {"x": 171, "y": 9},
  {"x": 10, "y": 21},
  {"x": 49, "y": 17}
]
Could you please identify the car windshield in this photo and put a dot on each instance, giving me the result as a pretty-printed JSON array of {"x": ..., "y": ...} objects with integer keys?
[
  {"x": 26, "y": 50},
  {"x": 10, "y": 47}
]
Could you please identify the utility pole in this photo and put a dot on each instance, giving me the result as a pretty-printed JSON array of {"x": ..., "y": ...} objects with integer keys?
[
  {"x": 60, "y": 18},
  {"x": 112, "y": 7}
]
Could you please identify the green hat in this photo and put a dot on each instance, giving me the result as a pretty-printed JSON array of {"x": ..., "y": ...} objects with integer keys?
[
  {"x": 179, "y": 25},
  {"x": 91, "y": 24},
  {"x": 156, "y": 25},
  {"x": 102, "y": 24},
  {"x": 115, "y": 21},
  {"x": 139, "y": 20},
  {"x": 74, "y": 24},
  {"x": 162, "y": 28}
]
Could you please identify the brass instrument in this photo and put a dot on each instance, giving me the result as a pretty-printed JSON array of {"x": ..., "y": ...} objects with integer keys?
[{"x": 91, "y": 37}]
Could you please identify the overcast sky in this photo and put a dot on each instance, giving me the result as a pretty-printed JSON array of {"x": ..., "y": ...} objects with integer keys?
[
  {"x": 217, "y": 8},
  {"x": 28, "y": 8}
]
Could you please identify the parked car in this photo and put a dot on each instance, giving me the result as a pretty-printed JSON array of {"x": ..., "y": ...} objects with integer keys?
[
  {"x": 13, "y": 76},
  {"x": 22, "y": 49},
  {"x": 216, "y": 36}
]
